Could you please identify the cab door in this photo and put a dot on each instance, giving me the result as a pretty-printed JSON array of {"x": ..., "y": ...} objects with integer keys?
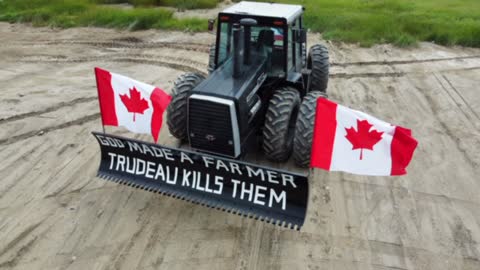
[{"x": 298, "y": 46}]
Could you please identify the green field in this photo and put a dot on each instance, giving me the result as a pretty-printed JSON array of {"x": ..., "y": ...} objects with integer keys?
[
  {"x": 73, "y": 13},
  {"x": 367, "y": 22},
  {"x": 402, "y": 22}
]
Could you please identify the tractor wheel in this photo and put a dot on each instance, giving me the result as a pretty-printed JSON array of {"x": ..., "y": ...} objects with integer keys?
[
  {"x": 279, "y": 126},
  {"x": 211, "y": 59},
  {"x": 318, "y": 63},
  {"x": 302, "y": 142},
  {"x": 177, "y": 109}
]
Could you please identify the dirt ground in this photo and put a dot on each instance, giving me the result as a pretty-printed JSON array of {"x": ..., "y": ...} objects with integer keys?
[{"x": 55, "y": 214}]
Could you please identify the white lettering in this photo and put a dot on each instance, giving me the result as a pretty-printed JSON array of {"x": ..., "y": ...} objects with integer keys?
[
  {"x": 140, "y": 163},
  {"x": 207, "y": 183},
  {"x": 185, "y": 180},
  {"x": 207, "y": 161},
  {"x": 112, "y": 157},
  {"x": 160, "y": 172},
  {"x": 235, "y": 183},
  {"x": 288, "y": 178},
  {"x": 258, "y": 172},
  {"x": 247, "y": 191},
  {"x": 168, "y": 154},
  {"x": 146, "y": 149},
  {"x": 115, "y": 142},
  {"x": 279, "y": 199},
  {"x": 198, "y": 182},
  {"x": 184, "y": 156},
  {"x": 220, "y": 164},
  {"x": 133, "y": 146},
  {"x": 219, "y": 183},
  {"x": 272, "y": 176},
  {"x": 234, "y": 167},
  {"x": 132, "y": 169},
  {"x": 157, "y": 151},
  {"x": 102, "y": 140},
  {"x": 259, "y": 195},
  {"x": 150, "y": 169},
  {"x": 120, "y": 162},
  {"x": 171, "y": 180}
]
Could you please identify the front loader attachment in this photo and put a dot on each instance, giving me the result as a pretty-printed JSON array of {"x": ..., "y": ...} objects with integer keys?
[{"x": 271, "y": 195}]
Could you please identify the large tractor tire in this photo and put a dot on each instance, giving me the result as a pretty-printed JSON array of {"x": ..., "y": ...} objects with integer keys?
[
  {"x": 302, "y": 142},
  {"x": 279, "y": 127},
  {"x": 318, "y": 62},
  {"x": 177, "y": 109},
  {"x": 211, "y": 59}
]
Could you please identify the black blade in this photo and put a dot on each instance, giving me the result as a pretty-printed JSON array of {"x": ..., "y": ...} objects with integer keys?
[{"x": 271, "y": 195}]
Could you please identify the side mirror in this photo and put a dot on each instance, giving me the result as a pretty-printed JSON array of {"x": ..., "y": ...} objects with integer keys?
[{"x": 211, "y": 24}]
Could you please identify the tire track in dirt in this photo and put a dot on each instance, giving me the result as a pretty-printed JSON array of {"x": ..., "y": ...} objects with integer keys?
[
  {"x": 461, "y": 97},
  {"x": 343, "y": 75},
  {"x": 27, "y": 135},
  {"x": 135, "y": 43},
  {"x": 458, "y": 104},
  {"x": 140, "y": 60},
  {"x": 24, "y": 249},
  {"x": 196, "y": 47},
  {"x": 47, "y": 110},
  {"x": 190, "y": 68},
  {"x": 403, "y": 62},
  {"x": 17, "y": 239},
  {"x": 434, "y": 107}
]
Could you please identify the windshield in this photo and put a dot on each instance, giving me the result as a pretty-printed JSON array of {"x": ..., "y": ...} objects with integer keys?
[{"x": 226, "y": 40}]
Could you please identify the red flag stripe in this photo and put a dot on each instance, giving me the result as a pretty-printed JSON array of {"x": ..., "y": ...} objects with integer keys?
[
  {"x": 160, "y": 101},
  {"x": 402, "y": 148},
  {"x": 106, "y": 97},
  {"x": 324, "y": 134}
]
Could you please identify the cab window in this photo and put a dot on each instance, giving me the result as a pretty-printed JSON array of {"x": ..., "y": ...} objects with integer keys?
[
  {"x": 224, "y": 47},
  {"x": 290, "y": 49},
  {"x": 275, "y": 52}
]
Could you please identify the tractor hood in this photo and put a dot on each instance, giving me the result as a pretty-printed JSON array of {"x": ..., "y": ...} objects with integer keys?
[{"x": 221, "y": 83}]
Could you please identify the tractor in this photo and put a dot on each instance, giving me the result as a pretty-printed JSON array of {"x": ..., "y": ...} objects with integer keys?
[
  {"x": 261, "y": 90},
  {"x": 262, "y": 86}
]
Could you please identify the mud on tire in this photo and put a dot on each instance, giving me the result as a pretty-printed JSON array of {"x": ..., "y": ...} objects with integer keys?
[
  {"x": 279, "y": 126},
  {"x": 318, "y": 63},
  {"x": 302, "y": 142},
  {"x": 177, "y": 109}
]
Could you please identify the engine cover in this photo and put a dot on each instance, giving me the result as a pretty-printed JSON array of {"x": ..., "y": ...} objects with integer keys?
[{"x": 223, "y": 108}]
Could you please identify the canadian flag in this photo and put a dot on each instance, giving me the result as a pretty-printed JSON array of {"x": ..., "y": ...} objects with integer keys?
[
  {"x": 355, "y": 142},
  {"x": 131, "y": 104}
]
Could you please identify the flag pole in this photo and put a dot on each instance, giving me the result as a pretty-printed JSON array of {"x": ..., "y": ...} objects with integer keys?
[{"x": 98, "y": 94}]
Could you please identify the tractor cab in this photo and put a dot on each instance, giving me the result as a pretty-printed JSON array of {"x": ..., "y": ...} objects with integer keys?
[
  {"x": 259, "y": 73},
  {"x": 269, "y": 30}
]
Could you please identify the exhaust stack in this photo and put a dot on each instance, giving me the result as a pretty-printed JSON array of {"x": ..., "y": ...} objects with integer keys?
[
  {"x": 238, "y": 37},
  {"x": 247, "y": 24},
  {"x": 241, "y": 45}
]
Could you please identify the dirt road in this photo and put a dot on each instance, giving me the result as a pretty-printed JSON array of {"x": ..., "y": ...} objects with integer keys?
[{"x": 55, "y": 214}]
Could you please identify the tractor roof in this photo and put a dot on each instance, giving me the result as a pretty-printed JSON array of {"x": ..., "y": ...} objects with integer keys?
[{"x": 289, "y": 12}]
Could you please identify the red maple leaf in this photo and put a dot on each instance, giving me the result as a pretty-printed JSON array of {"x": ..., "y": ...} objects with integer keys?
[
  {"x": 135, "y": 103},
  {"x": 363, "y": 138}
]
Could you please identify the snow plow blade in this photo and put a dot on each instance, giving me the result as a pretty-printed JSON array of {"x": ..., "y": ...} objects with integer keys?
[{"x": 271, "y": 195}]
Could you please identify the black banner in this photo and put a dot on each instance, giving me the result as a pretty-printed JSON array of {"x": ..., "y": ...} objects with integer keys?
[{"x": 272, "y": 195}]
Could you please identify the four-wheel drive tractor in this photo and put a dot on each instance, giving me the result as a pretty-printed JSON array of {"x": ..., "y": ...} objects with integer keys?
[
  {"x": 262, "y": 86},
  {"x": 259, "y": 73}
]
